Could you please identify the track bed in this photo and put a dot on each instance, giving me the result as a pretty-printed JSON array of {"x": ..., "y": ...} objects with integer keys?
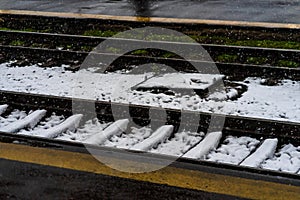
[{"x": 237, "y": 144}]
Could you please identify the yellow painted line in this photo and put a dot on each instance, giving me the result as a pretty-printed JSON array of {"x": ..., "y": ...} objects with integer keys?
[
  {"x": 184, "y": 178},
  {"x": 152, "y": 19}
]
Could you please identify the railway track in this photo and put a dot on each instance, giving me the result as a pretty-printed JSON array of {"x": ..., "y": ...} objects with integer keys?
[
  {"x": 219, "y": 53},
  {"x": 50, "y": 57},
  {"x": 239, "y": 143}
]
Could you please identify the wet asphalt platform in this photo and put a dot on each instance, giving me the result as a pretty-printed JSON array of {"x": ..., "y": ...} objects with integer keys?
[
  {"x": 31, "y": 181},
  {"x": 279, "y": 11}
]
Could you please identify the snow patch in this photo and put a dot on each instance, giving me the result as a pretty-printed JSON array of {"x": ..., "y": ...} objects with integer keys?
[
  {"x": 29, "y": 121},
  {"x": 126, "y": 141},
  {"x": 49, "y": 122},
  {"x": 182, "y": 81},
  {"x": 3, "y": 108},
  {"x": 234, "y": 150},
  {"x": 12, "y": 117},
  {"x": 179, "y": 144},
  {"x": 90, "y": 127},
  {"x": 286, "y": 160},
  {"x": 264, "y": 151},
  {"x": 116, "y": 128},
  {"x": 258, "y": 101},
  {"x": 71, "y": 123},
  {"x": 159, "y": 136},
  {"x": 209, "y": 143}
]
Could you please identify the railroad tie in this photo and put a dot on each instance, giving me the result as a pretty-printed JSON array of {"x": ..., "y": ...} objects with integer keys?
[
  {"x": 70, "y": 124},
  {"x": 209, "y": 143},
  {"x": 30, "y": 121},
  {"x": 3, "y": 108},
  {"x": 266, "y": 150},
  {"x": 116, "y": 128},
  {"x": 159, "y": 136}
]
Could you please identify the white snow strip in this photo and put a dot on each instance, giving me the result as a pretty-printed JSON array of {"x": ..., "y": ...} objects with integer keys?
[
  {"x": 209, "y": 143},
  {"x": 3, "y": 108},
  {"x": 258, "y": 101},
  {"x": 116, "y": 128},
  {"x": 286, "y": 160},
  {"x": 30, "y": 121},
  {"x": 266, "y": 150},
  {"x": 159, "y": 136},
  {"x": 70, "y": 124}
]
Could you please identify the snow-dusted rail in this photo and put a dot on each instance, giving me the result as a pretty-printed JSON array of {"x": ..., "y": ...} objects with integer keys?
[{"x": 214, "y": 146}]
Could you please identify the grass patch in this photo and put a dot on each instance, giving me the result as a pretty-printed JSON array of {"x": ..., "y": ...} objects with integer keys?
[
  {"x": 251, "y": 43},
  {"x": 139, "y": 52},
  {"x": 4, "y": 29},
  {"x": 227, "y": 58},
  {"x": 25, "y": 29},
  {"x": 17, "y": 43},
  {"x": 256, "y": 60},
  {"x": 37, "y": 45},
  {"x": 268, "y": 44},
  {"x": 287, "y": 63},
  {"x": 86, "y": 48},
  {"x": 144, "y": 52},
  {"x": 99, "y": 33},
  {"x": 169, "y": 55},
  {"x": 69, "y": 46}
]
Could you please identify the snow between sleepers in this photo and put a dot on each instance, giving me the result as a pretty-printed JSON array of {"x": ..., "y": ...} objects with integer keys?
[{"x": 244, "y": 151}]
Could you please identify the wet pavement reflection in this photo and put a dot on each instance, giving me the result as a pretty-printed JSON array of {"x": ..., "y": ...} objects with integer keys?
[{"x": 282, "y": 11}]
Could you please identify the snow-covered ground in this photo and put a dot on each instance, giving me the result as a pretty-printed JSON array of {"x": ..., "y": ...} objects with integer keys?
[
  {"x": 29, "y": 121},
  {"x": 286, "y": 160},
  {"x": 14, "y": 116},
  {"x": 179, "y": 144},
  {"x": 264, "y": 151},
  {"x": 126, "y": 141},
  {"x": 233, "y": 150},
  {"x": 280, "y": 102}
]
